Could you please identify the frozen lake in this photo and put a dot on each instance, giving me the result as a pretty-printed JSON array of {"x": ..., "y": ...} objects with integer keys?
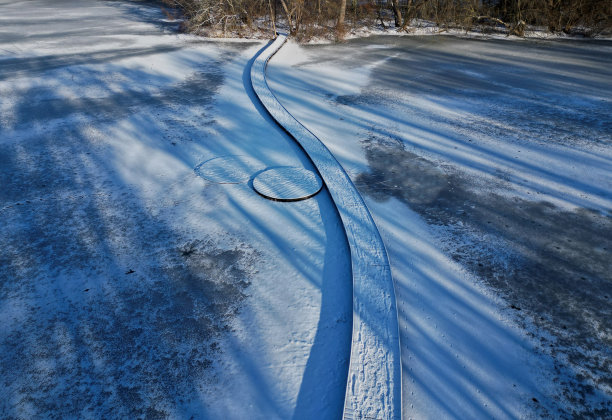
[
  {"x": 131, "y": 284},
  {"x": 141, "y": 276},
  {"x": 487, "y": 165}
]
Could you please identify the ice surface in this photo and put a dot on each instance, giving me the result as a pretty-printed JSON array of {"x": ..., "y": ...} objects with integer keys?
[
  {"x": 373, "y": 388},
  {"x": 231, "y": 169},
  {"x": 486, "y": 166},
  {"x": 129, "y": 286},
  {"x": 287, "y": 184}
]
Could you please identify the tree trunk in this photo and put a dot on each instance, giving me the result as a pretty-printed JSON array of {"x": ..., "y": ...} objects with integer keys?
[
  {"x": 289, "y": 18},
  {"x": 273, "y": 17},
  {"x": 341, "y": 16},
  {"x": 397, "y": 13},
  {"x": 408, "y": 17}
]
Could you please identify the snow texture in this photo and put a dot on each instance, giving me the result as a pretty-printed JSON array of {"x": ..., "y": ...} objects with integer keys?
[
  {"x": 287, "y": 184},
  {"x": 130, "y": 286},
  {"x": 374, "y": 382},
  {"x": 486, "y": 166}
]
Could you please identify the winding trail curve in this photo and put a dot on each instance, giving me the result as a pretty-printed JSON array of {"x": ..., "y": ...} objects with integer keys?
[{"x": 374, "y": 382}]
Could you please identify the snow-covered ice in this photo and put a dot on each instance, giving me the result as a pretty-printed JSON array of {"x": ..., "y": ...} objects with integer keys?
[
  {"x": 486, "y": 166},
  {"x": 373, "y": 389},
  {"x": 131, "y": 286}
]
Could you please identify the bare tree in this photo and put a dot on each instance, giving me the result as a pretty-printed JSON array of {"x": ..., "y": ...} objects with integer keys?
[
  {"x": 397, "y": 13},
  {"x": 341, "y": 16},
  {"x": 307, "y": 17}
]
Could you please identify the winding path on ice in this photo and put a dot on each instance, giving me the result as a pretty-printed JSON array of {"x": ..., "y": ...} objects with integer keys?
[{"x": 374, "y": 381}]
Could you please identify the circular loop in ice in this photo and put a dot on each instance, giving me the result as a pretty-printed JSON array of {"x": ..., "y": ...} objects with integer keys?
[
  {"x": 231, "y": 169},
  {"x": 287, "y": 184}
]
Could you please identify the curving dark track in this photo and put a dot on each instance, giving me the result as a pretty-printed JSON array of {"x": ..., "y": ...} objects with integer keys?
[{"x": 374, "y": 382}]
